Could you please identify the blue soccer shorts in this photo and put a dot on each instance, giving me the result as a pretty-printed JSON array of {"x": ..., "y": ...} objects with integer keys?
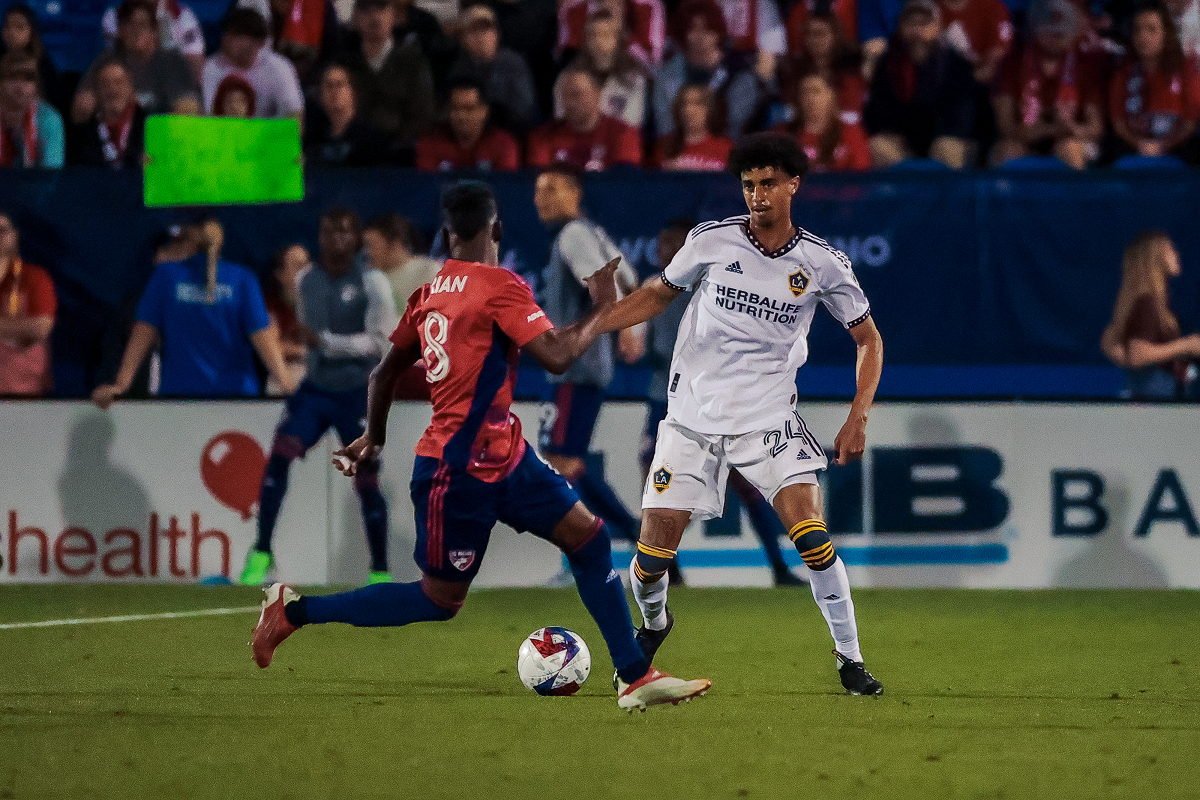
[
  {"x": 311, "y": 411},
  {"x": 568, "y": 431},
  {"x": 455, "y": 511}
]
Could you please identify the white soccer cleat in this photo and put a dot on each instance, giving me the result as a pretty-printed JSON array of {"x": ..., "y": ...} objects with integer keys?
[{"x": 657, "y": 687}]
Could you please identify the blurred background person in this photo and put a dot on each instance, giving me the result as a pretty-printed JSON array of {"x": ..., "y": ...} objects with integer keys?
[
  {"x": 1186, "y": 16},
  {"x": 305, "y": 32},
  {"x": 643, "y": 23},
  {"x": 28, "y": 306},
  {"x": 234, "y": 98},
  {"x": 698, "y": 143},
  {"x": 980, "y": 31},
  {"x": 280, "y": 293},
  {"x": 162, "y": 80},
  {"x": 831, "y": 144},
  {"x": 21, "y": 33},
  {"x": 585, "y": 137},
  {"x": 844, "y": 12},
  {"x": 580, "y": 248},
  {"x": 209, "y": 317},
  {"x": 922, "y": 98},
  {"x": 178, "y": 30},
  {"x": 827, "y": 52},
  {"x": 530, "y": 27},
  {"x": 1154, "y": 96},
  {"x": 335, "y": 134},
  {"x": 31, "y": 131},
  {"x": 1050, "y": 96},
  {"x": 424, "y": 28},
  {"x": 1143, "y": 337},
  {"x": 244, "y": 53},
  {"x": 347, "y": 314},
  {"x": 622, "y": 78},
  {"x": 467, "y": 139},
  {"x": 505, "y": 77},
  {"x": 115, "y": 136}
]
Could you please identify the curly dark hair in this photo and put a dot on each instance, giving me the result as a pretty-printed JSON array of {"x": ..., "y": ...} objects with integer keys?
[{"x": 760, "y": 150}]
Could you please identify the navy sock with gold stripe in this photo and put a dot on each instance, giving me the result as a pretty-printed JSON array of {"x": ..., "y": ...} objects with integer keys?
[{"x": 811, "y": 538}]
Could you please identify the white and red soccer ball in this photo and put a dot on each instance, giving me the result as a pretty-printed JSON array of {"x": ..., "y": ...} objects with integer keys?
[{"x": 554, "y": 661}]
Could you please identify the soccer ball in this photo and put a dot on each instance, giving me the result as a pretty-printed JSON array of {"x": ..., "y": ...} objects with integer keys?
[{"x": 554, "y": 661}]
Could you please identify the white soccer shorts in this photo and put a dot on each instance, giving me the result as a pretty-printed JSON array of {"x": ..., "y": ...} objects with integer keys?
[{"x": 690, "y": 469}]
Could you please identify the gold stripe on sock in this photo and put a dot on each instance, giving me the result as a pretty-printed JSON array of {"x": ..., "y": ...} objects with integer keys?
[
  {"x": 659, "y": 552},
  {"x": 805, "y": 526},
  {"x": 818, "y": 555}
]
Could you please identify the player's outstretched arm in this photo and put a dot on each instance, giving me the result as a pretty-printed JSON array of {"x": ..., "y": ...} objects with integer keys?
[
  {"x": 643, "y": 305},
  {"x": 380, "y": 391},
  {"x": 851, "y": 440},
  {"x": 558, "y": 348}
]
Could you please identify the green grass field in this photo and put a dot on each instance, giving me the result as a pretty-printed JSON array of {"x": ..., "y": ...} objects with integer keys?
[{"x": 989, "y": 694}]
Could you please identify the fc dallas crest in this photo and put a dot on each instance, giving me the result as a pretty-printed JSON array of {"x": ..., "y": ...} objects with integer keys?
[{"x": 462, "y": 560}]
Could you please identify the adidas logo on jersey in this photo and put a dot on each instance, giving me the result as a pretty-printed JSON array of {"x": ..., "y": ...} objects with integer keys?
[
  {"x": 803, "y": 455},
  {"x": 735, "y": 267}
]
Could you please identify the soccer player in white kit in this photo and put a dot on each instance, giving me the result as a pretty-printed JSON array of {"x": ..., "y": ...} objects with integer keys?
[{"x": 731, "y": 399}]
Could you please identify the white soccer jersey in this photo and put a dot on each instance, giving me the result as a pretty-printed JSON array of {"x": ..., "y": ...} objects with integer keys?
[{"x": 745, "y": 332}]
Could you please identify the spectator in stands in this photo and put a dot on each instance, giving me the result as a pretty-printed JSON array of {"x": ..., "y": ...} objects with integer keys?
[
  {"x": 580, "y": 248},
  {"x": 1144, "y": 337},
  {"x": 115, "y": 136},
  {"x": 756, "y": 32},
  {"x": 700, "y": 28},
  {"x": 31, "y": 132},
  {"x": 305, "y": 32},
  {"x": 844, "y": 11},
  {"x": 980, "y": 31},
  {"x": 178, "y": 30},
  {"x": 1050, "y": 94},
  {"x": 584, "y": 137},
  {"x": 21, "y": 34},
  {"x": 643, "y": 21},
  {"x": 507, "y": 81},
  {"x": 530, "y": 27},
  {"x": 27, "y": 308},
  {"x": 467, "y": 140},
  {"x": 280, "y": 295},
  {"x": 234, "y": 98},
  {"x": 832, "y": 144},
  {"x": 697, "y": 144},
  {"x": 877, "y": 24},
  {"x": 830, "y": 54},
  {"x": 922, "y": 95},
  {"x": 1186, "y": 16},
  {"x": 390, "y": 243},
  {"x": 244, "y": 53},
  {"x": 1154, "y": 97},
  {"x": 419, "y": 24},
  {"x": 335, "y": 135},
  {"x": 394, "y": 81},
  {"x": 622, "y": 79},
  {"x": 162, "y": 79},
  {"x": 206, "y": 313}
]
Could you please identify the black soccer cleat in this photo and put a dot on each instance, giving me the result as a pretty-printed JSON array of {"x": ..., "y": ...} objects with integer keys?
[
  {"x": 855, "y": 678},
  {"x": 651, "y": 640}
]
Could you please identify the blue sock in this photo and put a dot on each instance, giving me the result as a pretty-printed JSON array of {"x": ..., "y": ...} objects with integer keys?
[
  {"x": 270, "y": 498},
  {"x": 602, "y": 501},
  {"x": 378, "y": 606},
  {"x": 603, "y": 595},
  {"x": 374, "y": 514}
]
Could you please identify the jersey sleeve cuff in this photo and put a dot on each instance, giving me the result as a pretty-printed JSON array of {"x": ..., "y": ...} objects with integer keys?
[
  {"x": 854, "y": 323},
  {"x": 672, "y": 285}
]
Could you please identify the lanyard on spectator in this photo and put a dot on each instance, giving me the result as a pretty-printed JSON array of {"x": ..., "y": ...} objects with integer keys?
[{"x": 114, "y": 152}]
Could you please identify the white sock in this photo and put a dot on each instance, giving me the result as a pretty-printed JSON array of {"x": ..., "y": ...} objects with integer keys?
[
  {"x": 651, "y": 598},
  {"x": 831, "y": 590}
]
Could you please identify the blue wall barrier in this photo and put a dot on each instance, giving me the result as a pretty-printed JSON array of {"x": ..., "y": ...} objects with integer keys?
[{"x": 983, "y": 285}]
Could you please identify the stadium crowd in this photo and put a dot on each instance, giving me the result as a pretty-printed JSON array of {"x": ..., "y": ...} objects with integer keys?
[{"x": 502, "y": 84}]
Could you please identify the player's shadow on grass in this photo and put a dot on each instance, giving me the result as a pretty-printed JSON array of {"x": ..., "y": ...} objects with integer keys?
[
  {"x": 93, "y": 492},
  {"x": 1107, "y": 559}
]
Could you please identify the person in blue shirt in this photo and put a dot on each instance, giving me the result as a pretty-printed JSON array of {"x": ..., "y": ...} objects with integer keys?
[{"x": 209, "y": 316}]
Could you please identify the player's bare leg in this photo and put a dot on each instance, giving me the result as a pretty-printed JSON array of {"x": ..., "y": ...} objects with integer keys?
[
  {"x": 583, "y": 538},
  {"x": 662, "y": 530},
  {"x": 799, "y": 506}
]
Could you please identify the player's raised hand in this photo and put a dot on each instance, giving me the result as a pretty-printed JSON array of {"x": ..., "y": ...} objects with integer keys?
[
  {"x": 602, "y": 284},
  {"x": 360, "y": 451},
  {"x": 850, "y": 442}
]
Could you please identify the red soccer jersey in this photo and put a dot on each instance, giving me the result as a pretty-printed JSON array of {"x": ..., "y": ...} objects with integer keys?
[
  {"x": 470, "y": 323},
  {"x": 709, "y": 155},
  {"x": 850, "y": 154},
  {"x": 846, "y": 12},
  {"x": 1152, "y": 103},
  {"x": 977, "y": 28},
  {"x": 496, "y": 151},
  {"x": 26, "y": 290},
  {"x": 610, "y": 142}
]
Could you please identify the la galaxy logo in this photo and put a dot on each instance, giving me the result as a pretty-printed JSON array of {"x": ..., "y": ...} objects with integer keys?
[
  {"x": 662, "y": 479},
  {"x": 798, "y": 283}
]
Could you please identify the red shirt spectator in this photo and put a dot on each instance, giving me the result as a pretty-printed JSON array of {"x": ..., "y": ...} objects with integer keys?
[
  {"x": 845, "y": 11},
  {"x": 709, "y": 154},
  {"x": 754, "y": 26},
  {"x": 584, "y": 137},
  {"x": 825, "y": 50},
  {"x": 831, "y": 144},
  {"x": 645, "y": 25},
  {"x": 980, "y": 30},
  {"x": 849, "y": 151},
  {"x": 695, "y": 145},
  {"x": 466, "y": 141},
  {"x": 27, "y": 308},
  {"x": 1049, "y": 86}
]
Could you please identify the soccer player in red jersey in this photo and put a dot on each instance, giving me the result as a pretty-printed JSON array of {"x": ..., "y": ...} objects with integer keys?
[{"x": 473, "y": 466}]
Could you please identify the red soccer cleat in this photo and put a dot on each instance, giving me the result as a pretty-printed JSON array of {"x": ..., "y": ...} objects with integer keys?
[{"x": 273, "y": 626}]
